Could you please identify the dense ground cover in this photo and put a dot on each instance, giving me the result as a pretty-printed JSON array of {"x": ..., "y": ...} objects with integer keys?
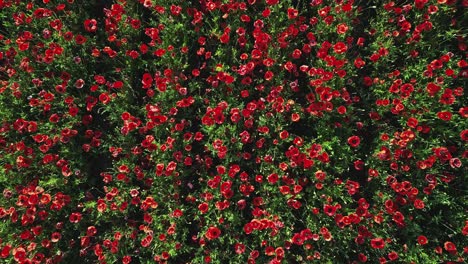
[{"x": 259, "y": 131}]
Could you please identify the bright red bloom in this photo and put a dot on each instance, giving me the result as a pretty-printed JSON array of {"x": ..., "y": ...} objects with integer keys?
[
  {"x": 329, "y": 210},
  {"x": 19, "y": 254},
  {"x": 203, "y": 207},
  {"x": 145, "y": 242},
  {"x": 422, "y": 240},
  {"x": 450, "y": 247},
  {"x": 90, "y": 25},
  {"x": 126, "y": 259},
  {"x": 272, "y": 2},
  {"x": 75, "y": 217},
  {"x": 298, "y": 239},
  {"x": 212, "y": 233},
  {"x": 341, "y": 28},
  {"x": 340, "y": 48},
  {"x": 147, "y": 80},
  {"x": 292, "y": 13},
  {"x": 5, "y": 252},
  {"x": 378, "y": 243},
  {"x": 418, "y": 204},
  {"x": 359, "y": 63},
  {"x": 445, "y": 115}
]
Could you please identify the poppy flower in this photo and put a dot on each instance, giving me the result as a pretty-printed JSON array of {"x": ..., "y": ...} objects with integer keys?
[
  {"x": 75, "y": 217},
  {"x": 55, "y": 237},
  {"x": 444, "y": 115},
  {"x": 329, "y": 210},
  {"x": 248, "y": 228},
  {"x": 5, "y": 252},
  {"x": 90, "y": 25},
  {"x": 292, "y": 13},
  {"x": 341, "y": 28},
  {"x": 212, "y": 233},
  {"x": 393, "y": 255},
  {"x": 19, "y": 254},
  {"x": 362, "y": 257},
  {"x": 340, "y": 48},
  {"x": 79, "y": 39},
  {"x": 239, "y": 248},
  {"x": 203, "y": 207},
  {"x": 147, "y": 80},
  {"x": 378, "y": 243},
  {"x": 145, "y": 242},
  {"x": 354, "y": 141},
  {"x": 450, "y": 247},
  {"x": 418, "y": 204},
  {"x": 126, "y": 259},
  {"x": 422, "y": 240}
]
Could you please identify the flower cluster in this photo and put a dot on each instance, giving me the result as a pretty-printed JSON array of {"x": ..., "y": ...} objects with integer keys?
[{"x": 222, "y": 131}]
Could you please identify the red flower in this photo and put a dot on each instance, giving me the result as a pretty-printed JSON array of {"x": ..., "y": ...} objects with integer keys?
[
  {"x": 55, "y": 237},
  {"x": 213, "y": 233},
  {"x": 340, "y": 47},
  {"x": 104, "y": 98},
  {"x": 272, "y": 178},
  {"x": 292, "y": 13},
  {"x": 341, "y": 28},
  {"x": 147, "y": 80},
  {"x": 126, "y": 259},
  {"x": 203, "y": 207},
  {"x": 224, "y": 38},
  {"x": 5, "y": 252},
  {"x": 90, "y": 25},
  {"x": 432, "y": 89},
  {"x": 378, "y": 243},
  {"x": 359, "y": 63},
  {"x": 248, "y": 228},
  {"x": 175, "y": 10},
  {"x": 362, "y": 257},
  {"x": 91, "y": 231},
  {"x": 446, "y": 116},
  {"x": 450, "y": 247},
  {"x": 393, "y": 255},
  {"x": 422, "y": 240},
  {"x": 239, "y": 248},
  {"x": 145, "y": 242},
  {"x": 75, "y": 217},
  {"x": 298, "y": 239},
  {"x": 117, "y": 84},
  {"x": 420, "y": 3},
  {"x": 268, "y": 75},
  {"x": 418, "y": 204},
  {"x": 79, "y": 39},
  {"x": 19, "y": 254},
  {"x": 329, "y": 210},
  {"x": 354, "y": 141},
  {"x": 464, "y": 135}
]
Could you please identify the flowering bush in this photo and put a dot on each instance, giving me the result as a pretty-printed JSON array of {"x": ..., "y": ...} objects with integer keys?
[{"x": 259, "y": 131}]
